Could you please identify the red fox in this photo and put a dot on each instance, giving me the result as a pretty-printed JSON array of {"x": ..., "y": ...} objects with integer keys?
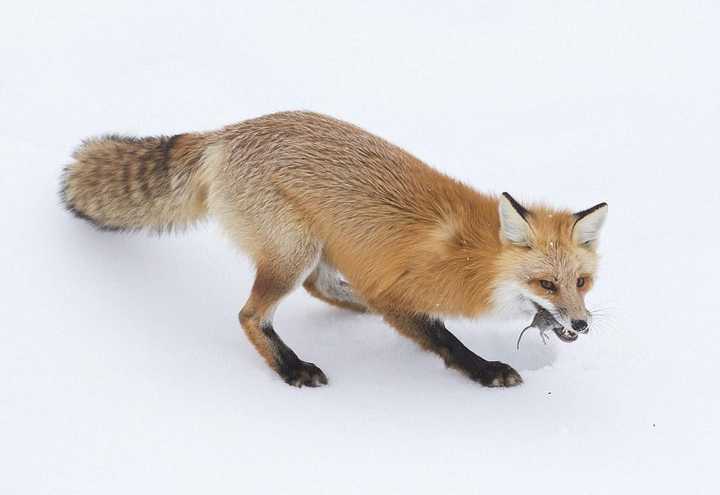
[{"x": 359, "y": 222}]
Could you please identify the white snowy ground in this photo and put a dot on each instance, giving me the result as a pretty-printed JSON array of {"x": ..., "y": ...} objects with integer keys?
[{"x": 122, "y": 366}]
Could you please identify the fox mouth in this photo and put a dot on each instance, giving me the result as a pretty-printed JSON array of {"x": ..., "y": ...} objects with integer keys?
[
  {"x": 565, "y": 334},
  {"x": 544, "y": 321}
]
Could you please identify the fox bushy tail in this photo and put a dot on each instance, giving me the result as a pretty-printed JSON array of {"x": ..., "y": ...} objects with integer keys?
[{"x": 125, "y": 183}]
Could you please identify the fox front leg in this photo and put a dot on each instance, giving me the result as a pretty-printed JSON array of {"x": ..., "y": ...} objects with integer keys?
[{"x": 432, "y": 335}]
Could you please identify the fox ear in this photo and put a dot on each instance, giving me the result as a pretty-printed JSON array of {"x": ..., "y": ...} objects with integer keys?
[
  {"x": 588, "y": 223},
  {"x": 514, "y": 226}
]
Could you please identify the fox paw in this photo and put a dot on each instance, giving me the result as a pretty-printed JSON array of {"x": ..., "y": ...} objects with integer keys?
[
  {"x": 497, "y": 374},
  {"x": 303, "y": 374}
]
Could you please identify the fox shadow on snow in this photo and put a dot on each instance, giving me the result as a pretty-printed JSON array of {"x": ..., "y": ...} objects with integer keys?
[{"x": 171, "y": 281}]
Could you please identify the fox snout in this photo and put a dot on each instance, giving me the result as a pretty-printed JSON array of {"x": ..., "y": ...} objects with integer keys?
[
  {"x": 577, "y": 319},
  {"x": 580, "y": 326}
]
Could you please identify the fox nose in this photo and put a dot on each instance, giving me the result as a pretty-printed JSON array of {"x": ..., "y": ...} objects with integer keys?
[{"x": 579, "y": 325}]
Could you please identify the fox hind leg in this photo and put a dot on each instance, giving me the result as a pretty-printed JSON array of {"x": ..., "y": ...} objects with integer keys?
[{"x": 326, "y": 284}]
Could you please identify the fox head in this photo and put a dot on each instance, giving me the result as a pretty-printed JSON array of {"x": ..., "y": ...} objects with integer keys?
[{"x": 548, "y": 260}]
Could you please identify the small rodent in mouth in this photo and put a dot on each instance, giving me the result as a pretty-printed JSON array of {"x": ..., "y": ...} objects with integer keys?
[{"x": 543, "y": 321}]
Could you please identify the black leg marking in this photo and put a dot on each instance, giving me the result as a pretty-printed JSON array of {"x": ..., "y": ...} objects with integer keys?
[
  {"x": 456, "y": 355},
  {"x": 290, "y": 367}
]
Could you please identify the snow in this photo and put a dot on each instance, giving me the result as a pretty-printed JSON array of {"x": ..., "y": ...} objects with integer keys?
[{"x": 122, "y": 365}]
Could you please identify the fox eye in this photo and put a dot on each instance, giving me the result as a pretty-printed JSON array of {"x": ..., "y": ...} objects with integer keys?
[
  {"x": 547, "y": 285},
  {"x": 580, "y": 282}
]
